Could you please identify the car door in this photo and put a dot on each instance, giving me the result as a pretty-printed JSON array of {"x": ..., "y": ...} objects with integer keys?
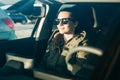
[
  {"x": 23, "y": 47},
  {"x": 26, "y": 43}
]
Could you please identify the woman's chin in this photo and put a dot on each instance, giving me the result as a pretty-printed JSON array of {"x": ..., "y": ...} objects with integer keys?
[{"x": 61, "y": 32}]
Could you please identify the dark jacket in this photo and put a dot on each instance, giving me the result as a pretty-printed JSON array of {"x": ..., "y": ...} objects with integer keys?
[{"x": 54, "y": 58}]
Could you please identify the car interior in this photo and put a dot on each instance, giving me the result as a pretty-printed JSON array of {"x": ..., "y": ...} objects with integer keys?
[{"x": 24, "y": 55}]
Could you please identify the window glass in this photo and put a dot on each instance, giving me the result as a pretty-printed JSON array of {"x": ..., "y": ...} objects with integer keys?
[{"x": 20, "y": 13}]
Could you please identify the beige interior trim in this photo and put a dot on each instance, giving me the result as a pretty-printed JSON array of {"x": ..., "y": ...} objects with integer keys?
[
  {"x": 28, "y": 63},
  {"x": 46, "y": 76}
]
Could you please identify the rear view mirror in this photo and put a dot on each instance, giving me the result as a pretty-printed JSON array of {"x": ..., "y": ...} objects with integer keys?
[{"x": 38, "y": 11}]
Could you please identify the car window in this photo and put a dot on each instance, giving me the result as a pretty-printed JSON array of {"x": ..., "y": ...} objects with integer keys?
[{"x": 24, "y": 14}]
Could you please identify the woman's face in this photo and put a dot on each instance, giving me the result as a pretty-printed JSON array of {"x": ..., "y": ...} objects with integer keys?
[{"x": 69, "y": 26}]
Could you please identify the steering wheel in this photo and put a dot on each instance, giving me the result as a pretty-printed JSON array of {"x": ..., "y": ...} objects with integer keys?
[{"x": 75, "y": 68}]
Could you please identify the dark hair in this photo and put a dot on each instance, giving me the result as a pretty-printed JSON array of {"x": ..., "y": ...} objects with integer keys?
[
  {"x": 84, "y": 15},
  {"x": 71, "y": 10}
]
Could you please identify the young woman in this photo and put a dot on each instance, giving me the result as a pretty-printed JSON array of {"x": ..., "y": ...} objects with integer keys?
[{"x": 64, "y": 39}]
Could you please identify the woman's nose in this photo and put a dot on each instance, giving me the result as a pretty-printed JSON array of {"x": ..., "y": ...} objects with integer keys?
[{"x": 60, "y": 23}]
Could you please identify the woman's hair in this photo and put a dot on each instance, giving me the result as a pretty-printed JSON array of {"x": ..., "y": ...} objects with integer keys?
[
  {"x": 83, "y": 14},
  {"x": 71, "y": 10}
]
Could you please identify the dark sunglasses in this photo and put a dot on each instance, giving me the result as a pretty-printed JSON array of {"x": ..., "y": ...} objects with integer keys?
[{"x": 63, "y": 21}]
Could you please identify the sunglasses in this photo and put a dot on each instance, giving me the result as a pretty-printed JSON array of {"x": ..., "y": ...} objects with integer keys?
[{"x": 63, "y": 21}]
